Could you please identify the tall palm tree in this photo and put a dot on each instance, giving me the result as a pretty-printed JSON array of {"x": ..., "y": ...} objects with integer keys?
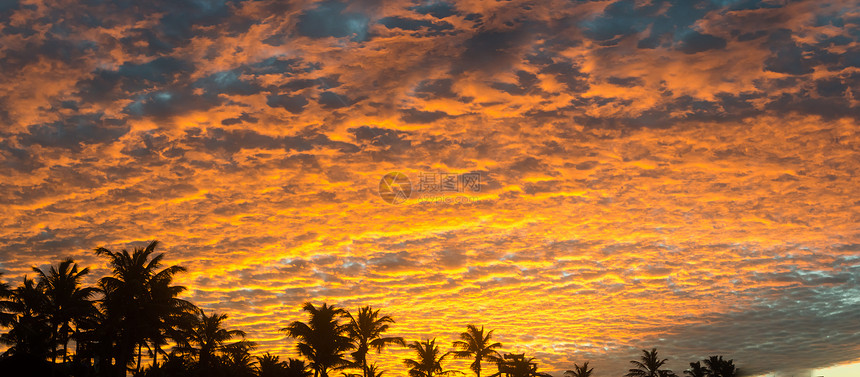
[
  {"x": 167, "y": 312},
  {"x": 366, "y": 331},
  {"x": 429, "y": 360},
  {"x": 475, "y": 344},
  {"x": 717, "y": 367},
  {"x": 696, "y": 370},
  {"x": 579, "y": 371},
  {"x": 323, "y": 339},
  {"x": 649, "y": 365},
  {"x": 29, "y": 332},
  {"x": 67, "y": 302},
  {"x": 128, "y": 303}
]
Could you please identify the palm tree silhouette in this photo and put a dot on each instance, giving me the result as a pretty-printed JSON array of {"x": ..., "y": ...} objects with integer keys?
[
  {"x": 475, "y": 344},
  {"x": 128, "y": 303},
  {"x": 516, "y": 365},
  {"x": 366, "y": 331},
  {"x": 167, "y": 313},
  {"x": 269, "y": 365},
  {"x": 297, "y": 368},
  {"x": 429, "y": 360},
  {"x": 717, "y": 367},
  {"x": 29, "y": 333},
  {"x": 7, "y": 306},
  {"x": 374, "y": 371},
  {"x": 696, "y": 370},
  {"x": 579, "y": 371},
  {"x": 67, "y": 302},
  {"x": 236, "y": 359},
  {"x": 207, "y": 336},
  {"x": 649, "y": 365},
  {"x": 322, "y": 340}
]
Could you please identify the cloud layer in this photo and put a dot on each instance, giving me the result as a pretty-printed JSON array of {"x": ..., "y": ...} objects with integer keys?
[{"x": 678, "y": 174}]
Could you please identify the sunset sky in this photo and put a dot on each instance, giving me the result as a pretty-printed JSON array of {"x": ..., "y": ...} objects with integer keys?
[{"x": 674, "y": 174}]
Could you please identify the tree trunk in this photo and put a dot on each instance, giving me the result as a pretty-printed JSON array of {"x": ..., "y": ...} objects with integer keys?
[
  {"x": 122, "y": 359},
  {"x": 65, "y": 349},
  {"x": 155, "y": 355},
  {"x": 54, "y": 347},
  {"x": 139, "y": 352}
]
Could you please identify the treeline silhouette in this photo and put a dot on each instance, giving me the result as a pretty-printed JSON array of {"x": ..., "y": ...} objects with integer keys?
[{"x": 136, "y": 315}]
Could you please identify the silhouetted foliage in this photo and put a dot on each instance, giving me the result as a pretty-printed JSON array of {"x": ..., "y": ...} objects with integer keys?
[
  {"x": 696, "y": 370},
  {"x": 236, "y": 360},
  {"x": 269, "y": 365},
  {"x": 579, "y": 371},
  {"x": 475, "y": 344},
  {"x": 428, "y": 361},
  {"x": 365, "y": 330},
  {"x": 298, "y": 368},
  {"x": 67, "y": 304},
  {"x": 7, "y": 306},
  {"x": 136, "y": 312},
  {"x": 205, "y": 338},
  {"x": 132, "y": 315},
  {"x": 30, "y": 332},
  {"x": 517, "y": 365},
  {"x": 323, "y": 339},
  {"x": 717, "y": 367},
  {"x": 649, "y": 365}
]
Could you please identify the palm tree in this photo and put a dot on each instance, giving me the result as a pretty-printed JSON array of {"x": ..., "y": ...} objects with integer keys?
[
  {"x": 474, "y": 344},
  {"x": 236, "y": 359},
  {"x": 167, "y": 313},
  {"x": 649, "y": 366},
  {"x": 429, "y": 360},
  {"x": 579, "y": 371},
  {"x": 696, "y": 370},
  {"x": 128, "y": 303},
  {"x": 323, "y": 339},
  {"x": 297, "y": 368},
  {"x": 270, "y": 365},
  {"x": 516, "y": 365},
  {"x": 717, "y": 367},
  {"x": 29, "y": 332},
  {"x": 7, "y": 316},
  {"x": 209, "y": 337},
  {"x": 374, "y": 371},
  {"x": 67, "y": 302},
  {"x": 366, "y": 330}
]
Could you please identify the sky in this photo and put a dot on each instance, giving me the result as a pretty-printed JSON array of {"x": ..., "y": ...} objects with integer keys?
[{"x": 587, "y": 178}]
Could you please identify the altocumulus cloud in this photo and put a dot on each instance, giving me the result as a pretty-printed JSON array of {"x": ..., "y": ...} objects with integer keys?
[{"x": 685, "y": 168}]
